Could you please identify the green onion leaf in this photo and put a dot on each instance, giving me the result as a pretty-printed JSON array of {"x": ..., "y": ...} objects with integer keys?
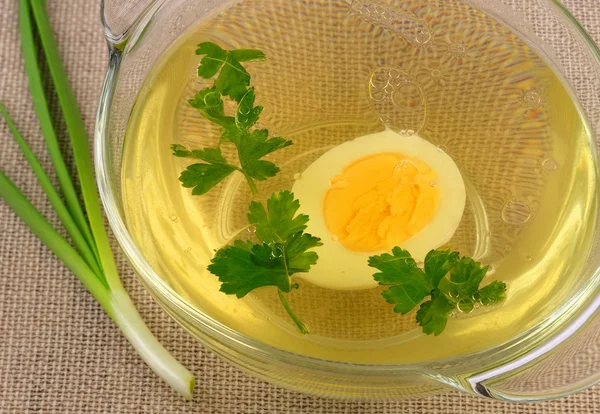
[
  {"x": 92, "y": 262},
  {"x": 61, "y": 210},
  {"x": 43, "y": 113}
]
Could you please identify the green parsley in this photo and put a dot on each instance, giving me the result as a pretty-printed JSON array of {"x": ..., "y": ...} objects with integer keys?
[
  {"x": 283, "y": 251},
  {"x": 233, "y": 81},
  {"x": 451, "y": 282}
]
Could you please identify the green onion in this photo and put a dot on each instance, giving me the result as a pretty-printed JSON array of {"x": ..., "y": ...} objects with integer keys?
[
  {"x": 79, "y": 138},
  {"x": 50, "y": 237},
  {"x": 91, "y": 260},
  {"x": 43, "y": 113},
  {"x": 61, "y": 210}
]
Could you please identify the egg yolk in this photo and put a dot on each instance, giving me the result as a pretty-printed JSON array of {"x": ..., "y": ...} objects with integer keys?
[{"x": 380, "y": 201}]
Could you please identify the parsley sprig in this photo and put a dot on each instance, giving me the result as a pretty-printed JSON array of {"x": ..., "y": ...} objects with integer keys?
[
  {"x": 283, "y": 251},
  {"x": 450, "y": 281},
  {"x": 233, "y": 81}
]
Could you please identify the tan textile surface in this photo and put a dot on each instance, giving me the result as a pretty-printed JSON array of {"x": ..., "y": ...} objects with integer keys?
[{"x": 59, "y": 353}]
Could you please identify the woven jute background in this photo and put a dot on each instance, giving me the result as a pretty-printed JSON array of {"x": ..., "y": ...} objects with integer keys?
[{"x": 59, "y": 353}]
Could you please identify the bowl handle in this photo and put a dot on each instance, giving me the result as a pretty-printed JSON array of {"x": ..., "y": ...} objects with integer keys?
[
  {"x": 119, "y": 16},
  {"x": 565, "y": 363}
]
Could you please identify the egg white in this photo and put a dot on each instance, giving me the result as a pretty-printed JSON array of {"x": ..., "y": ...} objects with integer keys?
[{"x": 342, "y": 269}]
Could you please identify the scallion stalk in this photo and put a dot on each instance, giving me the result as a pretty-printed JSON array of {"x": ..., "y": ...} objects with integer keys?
[{"x": 91, "y": 260}]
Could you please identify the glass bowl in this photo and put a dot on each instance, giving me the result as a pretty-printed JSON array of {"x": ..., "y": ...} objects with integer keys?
[{"x": 551, "y": 359}]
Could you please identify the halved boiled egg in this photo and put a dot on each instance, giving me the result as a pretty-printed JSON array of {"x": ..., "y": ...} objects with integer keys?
[{"x": 373, "y": 193}]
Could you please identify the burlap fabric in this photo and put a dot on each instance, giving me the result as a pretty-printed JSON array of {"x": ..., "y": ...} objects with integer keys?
[{"x": 59, "y": 353}]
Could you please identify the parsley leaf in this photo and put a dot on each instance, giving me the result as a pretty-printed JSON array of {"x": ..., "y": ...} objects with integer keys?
[
  {"x": 211, "y": 155},
  {"x": 278, "y": 221},
  {"x": 433, "y": 314},
  {"x": 253, "y": 146},
  {"x": 209, "y": 100},
  {"x": 450, "y": 281},
  {"x": 409, "y": 286},
  {"x": 210, "y": 104},
  {"x": 232, "y": 80},
  {"x": 465, "y": 278},
  {"x": 492, "y": 293},
  {"x": 283, "y": 250},
  {"x": 438, "y": 263},
  {"x": 203, "y": 177},
  {"x": 245, "y": 266},
  {"x": 247, "y": 114},
  {"x": 299, "y": 258}
]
